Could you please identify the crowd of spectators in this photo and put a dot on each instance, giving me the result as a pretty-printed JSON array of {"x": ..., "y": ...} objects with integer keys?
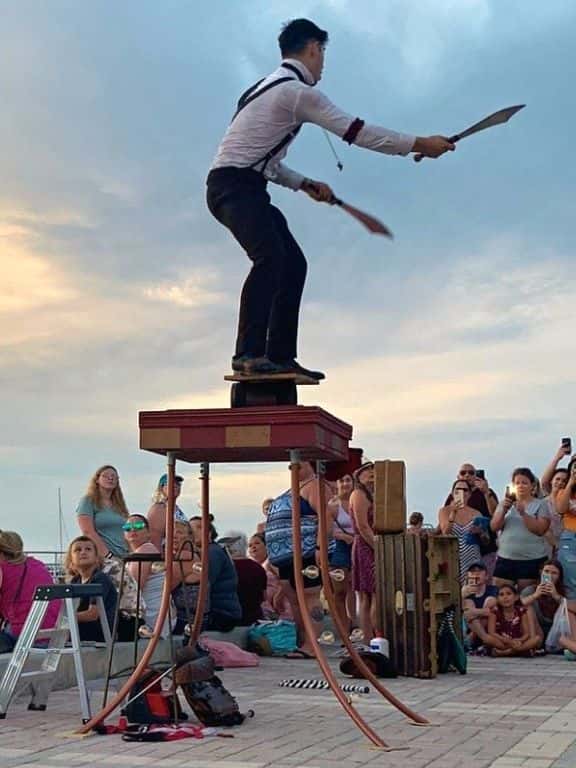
[{"x": 517, "y": 562}]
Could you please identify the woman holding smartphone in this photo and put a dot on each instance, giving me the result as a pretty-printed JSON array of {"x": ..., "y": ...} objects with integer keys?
[
  {"x": 566, "y": 508},
  {"x": 457, "y": 519},
  {"x": 544, "y": 600},
  {"x": 522, "y": 521}
]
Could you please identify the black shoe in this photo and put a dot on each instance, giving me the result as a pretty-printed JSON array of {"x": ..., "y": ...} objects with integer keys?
[
  {"x": 253, "y": 365},
  {"x": 291, "y": 366}
]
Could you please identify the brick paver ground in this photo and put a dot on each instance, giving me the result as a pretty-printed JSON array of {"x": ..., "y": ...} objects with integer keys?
[{"x": 504, "y": 713}]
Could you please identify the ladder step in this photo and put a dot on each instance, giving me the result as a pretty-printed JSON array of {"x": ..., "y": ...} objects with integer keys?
[{"x": 37, "y": 673}]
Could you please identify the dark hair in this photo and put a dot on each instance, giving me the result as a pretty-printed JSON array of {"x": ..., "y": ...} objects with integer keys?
[
  {"x": 513, "y": 587},
  {"x": 296, "y": 35},
  {"x": 560, "y": 588},
  {"x": 213, "y": 531},
  {"x": 560, "y": 471},
  {"x": 478, "y": 566},
  {"x": 415, "y": 518},
  {"x": 525, "y": 472},
  {"x": 259, "y": 536},
  {"x": 360, "y": 486},
  {"x": 140, "y": 517},
  {"x": 455, "y": 483}
]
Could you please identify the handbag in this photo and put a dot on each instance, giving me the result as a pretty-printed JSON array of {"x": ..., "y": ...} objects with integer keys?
[{"x": 560, "y": 626}]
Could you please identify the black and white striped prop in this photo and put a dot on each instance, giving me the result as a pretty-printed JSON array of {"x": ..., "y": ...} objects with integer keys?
[{"x": 322, "y": 684}]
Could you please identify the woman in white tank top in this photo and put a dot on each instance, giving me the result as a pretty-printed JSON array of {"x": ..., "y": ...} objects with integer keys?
[{"x": 341, "y": 556}]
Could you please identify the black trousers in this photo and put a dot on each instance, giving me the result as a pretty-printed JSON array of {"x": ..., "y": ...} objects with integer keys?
[{"x": 270, "y": 299}]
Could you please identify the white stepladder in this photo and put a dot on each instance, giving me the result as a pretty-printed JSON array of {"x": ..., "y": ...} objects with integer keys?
[{"x": 41, "y": 679}]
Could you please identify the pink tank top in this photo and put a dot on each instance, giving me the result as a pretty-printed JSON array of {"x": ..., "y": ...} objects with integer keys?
[{"x": 19, "y": 582}]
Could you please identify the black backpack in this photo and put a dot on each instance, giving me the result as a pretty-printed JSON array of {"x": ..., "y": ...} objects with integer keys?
[{"x": 212, "y": 703}]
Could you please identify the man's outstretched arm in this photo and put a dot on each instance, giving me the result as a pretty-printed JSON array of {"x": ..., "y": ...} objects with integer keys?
[{"x": 312, "y": 106}]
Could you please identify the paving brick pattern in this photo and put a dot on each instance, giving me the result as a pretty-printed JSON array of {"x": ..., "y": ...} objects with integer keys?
[{"x": 505, "y": 713}]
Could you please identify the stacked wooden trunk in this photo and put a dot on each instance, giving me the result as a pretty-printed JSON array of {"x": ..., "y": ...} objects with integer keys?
[{"x": 416, "y": 577}]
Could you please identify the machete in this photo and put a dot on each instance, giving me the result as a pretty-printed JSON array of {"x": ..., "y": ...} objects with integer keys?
[
  {"x": 370, "y": 222},
  {"x": 502, "y": 116}
]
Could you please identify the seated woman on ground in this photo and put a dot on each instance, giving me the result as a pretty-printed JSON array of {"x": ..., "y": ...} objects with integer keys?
[
  {"x": 276, "y": 605},
  {"x": 510, "y": 631},
  {"x": 20, "y": 574},
  {"x": 544, "y": 600},
  {"x": 252, "y": 581},
  {"x": 478, "y": 598},
  {"x": 83, "y": 564},
  {"x": 149, "y": 575},
  {"x": 186, "y": 574},
  {"x": 225, "y": 608}
]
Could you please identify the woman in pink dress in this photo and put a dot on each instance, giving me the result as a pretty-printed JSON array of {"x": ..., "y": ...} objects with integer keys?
[
  {"x": 363, "y": 567},
  {"x": 20, "y": 574}
]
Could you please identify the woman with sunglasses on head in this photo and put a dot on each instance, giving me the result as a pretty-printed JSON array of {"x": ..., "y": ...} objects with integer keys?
[
  {"x": 102, "y": 512},
  {"x": 566, "y": 507},
  {"x": 149, "y": 575},
  {"x": 340, "y": 553},
  {"x": 522, "y": 521},
  {"x": 457, "y": 519}
]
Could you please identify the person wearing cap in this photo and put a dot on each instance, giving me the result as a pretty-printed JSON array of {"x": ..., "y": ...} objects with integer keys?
[
  {"x": 20, "y": 574},
  {"x": 157, "y": 512},
  {"x": 478, "y": 598}
]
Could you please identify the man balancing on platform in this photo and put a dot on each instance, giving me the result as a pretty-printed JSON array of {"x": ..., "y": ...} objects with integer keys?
[{"x": 267, "y": 119}]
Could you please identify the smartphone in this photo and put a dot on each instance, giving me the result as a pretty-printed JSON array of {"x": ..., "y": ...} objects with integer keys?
[
  {"x": 472, "y": 580},
  {"x": 567, "y": 445},
  {"x": 481, "y": 474},
  {"x": 545, "y": 578},
  {"x": 459, "y": 496},
  {"x": 510, "y": 492}
]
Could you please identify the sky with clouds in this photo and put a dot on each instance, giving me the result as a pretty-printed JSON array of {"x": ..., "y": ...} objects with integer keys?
[{"x": 119, "y": 291}]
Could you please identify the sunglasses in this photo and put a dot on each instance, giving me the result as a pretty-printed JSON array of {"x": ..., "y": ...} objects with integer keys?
[
  {"x": 467, "y": 472},
  {"x": 138, "y": 525}
]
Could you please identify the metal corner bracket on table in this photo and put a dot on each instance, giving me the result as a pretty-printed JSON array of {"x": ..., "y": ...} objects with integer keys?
[{"x": 254, "y": 434}]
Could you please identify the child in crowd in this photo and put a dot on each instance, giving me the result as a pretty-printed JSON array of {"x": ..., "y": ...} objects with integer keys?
[
  {"x": 415, "y": 523},
  {"x": 84, "y": 564},
  {"x": 478, "y": 599},
  {"x": 510, "y": 632}
]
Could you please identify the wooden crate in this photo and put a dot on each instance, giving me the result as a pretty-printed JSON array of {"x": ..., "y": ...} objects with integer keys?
[
  {"x": 416, "y": 579},
  {"x": 389, "y": 496}
]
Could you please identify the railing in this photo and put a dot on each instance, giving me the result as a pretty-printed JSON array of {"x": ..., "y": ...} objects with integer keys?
[{"x": 53, "y": 560}]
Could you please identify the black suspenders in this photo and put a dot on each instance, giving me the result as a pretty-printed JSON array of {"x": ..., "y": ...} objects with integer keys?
[{"x": 251, "y": 94}]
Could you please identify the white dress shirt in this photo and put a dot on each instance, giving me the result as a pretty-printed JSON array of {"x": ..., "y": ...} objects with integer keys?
[{"x": 263, "y": 123}]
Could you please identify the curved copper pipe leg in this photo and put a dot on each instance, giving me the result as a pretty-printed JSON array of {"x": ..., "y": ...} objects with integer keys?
[
  {"x": 204, "y": 573},
  {"x": 164, "y": 605},
  {"x": 330, "y": 597},
  {"x": 299, "y": 581}
]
